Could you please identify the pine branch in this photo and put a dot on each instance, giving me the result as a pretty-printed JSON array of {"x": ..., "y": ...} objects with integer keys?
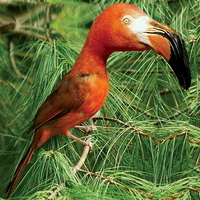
[
  {"x": 195, "y": 169},
  {"x": 136, "y": 130},
  {"x": 48, "y": 21},
  {"x": 107, "y": 179},
  {"x": 194, "y": 190},
  {"x": 12, "y": 59},
  {"x": 170, "y": 137},
  {"x": 55, "y": 192}
]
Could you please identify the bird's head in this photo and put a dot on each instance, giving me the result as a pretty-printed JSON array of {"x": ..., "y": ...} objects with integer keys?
[{"x": 124, "y": 27}]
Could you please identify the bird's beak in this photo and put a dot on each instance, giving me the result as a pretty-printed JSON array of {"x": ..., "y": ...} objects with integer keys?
[{"x": 168, "y": 43}]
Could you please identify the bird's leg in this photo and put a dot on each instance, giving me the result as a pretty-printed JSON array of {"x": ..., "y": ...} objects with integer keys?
[
  {"x": 84, "y": 143},
  {"x": 87, "y": 129}
]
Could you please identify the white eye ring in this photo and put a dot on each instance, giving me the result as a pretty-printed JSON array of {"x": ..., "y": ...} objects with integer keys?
[{"x": 126, "y": 20}]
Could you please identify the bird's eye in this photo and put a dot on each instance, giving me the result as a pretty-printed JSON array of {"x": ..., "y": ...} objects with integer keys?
[{"x": 126, "y": 21}]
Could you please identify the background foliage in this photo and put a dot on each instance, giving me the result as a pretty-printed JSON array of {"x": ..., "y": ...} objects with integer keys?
[{"x": 147, "y": 145}]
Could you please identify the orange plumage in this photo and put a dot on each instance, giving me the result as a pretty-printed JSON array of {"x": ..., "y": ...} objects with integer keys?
[{"x": 83, "y": 90}]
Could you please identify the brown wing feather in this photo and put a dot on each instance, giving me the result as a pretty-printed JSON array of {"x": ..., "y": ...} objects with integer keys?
[{"x": 68, "y": 96}]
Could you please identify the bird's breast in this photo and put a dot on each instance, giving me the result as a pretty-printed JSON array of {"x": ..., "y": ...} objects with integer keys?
[{"x": 95, "y": 89}]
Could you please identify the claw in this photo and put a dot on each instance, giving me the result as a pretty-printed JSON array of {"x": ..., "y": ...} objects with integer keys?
[
  {"x": 89, "y": 144},
  {"x": 87, "y": 128}
]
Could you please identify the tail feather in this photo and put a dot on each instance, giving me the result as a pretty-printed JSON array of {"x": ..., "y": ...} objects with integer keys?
[{"x": 26, "y": 159}]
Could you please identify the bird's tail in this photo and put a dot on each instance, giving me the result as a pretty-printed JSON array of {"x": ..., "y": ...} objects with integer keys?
[{"x": 25, "y": 160}]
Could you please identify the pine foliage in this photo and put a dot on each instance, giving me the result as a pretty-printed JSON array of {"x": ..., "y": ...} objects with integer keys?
[{"x": 147, "y": 145}]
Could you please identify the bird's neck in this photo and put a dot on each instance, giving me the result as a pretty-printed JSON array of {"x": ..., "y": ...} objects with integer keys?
[{"x": 93, "y": 58}]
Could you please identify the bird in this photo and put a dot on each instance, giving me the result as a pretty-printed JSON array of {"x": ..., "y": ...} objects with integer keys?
[{"x": 83, "y": 90}]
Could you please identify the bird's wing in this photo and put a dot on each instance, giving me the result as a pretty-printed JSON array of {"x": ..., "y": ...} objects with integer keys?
[{"x": 68, "y": 96}]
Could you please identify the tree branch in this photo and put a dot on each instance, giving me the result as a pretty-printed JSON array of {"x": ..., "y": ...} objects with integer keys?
[
  {"x": 170, "y": 137},
  {"x": 12, "y": 59},
  {"x": 136, "y": 130},
  {"x": 55, "y": 192},
  {"x": 47, "y": 23},
  {"x": 114, "y": 183},
  {"x": 86, "y": 150}
]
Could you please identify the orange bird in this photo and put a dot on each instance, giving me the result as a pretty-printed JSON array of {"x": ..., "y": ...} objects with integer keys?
[{"x": 83, "y": 90}]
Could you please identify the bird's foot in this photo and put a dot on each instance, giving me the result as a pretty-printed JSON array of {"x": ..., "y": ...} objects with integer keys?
[
  {"x": 84, "y": 143},
  {"x": 89, "y": 144},
  {"x": 87, "y": 129}
]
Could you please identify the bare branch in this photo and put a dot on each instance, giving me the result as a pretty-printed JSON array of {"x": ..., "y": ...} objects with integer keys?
[
  {"x": 194, "y": 190},
  {"x": 83, "y": 157}
]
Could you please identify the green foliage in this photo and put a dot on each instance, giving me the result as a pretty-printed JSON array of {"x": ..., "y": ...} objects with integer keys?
[{"x": 153, "y": 154}]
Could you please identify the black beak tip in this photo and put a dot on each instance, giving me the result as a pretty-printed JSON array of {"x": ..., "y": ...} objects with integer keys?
[
  {"x": 179, "y": 60},
  {"x": 186, "y": 84}
]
